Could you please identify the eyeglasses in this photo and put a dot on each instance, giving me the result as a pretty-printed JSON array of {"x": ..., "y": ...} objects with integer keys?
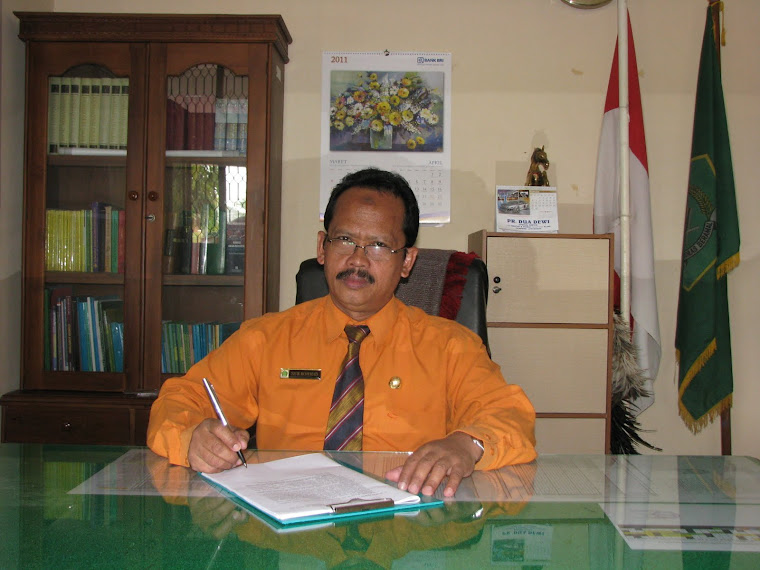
[{"x": 374, "y": 251}]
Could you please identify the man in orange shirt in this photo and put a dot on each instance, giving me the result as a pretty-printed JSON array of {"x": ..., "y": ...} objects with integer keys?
[{"x": 429, "y": 385}]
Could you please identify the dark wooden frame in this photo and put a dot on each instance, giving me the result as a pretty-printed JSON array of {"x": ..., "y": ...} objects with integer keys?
[{"x": 147, "y": 48}]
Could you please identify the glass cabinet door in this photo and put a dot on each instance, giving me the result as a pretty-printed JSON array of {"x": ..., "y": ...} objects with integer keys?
[
  {"x": 85, "y": 220},
  {"x": 78, "y": 199},
  {"x": 204, "y": 206}
]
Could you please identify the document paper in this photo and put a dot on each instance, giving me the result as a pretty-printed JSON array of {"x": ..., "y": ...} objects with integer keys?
[{"x": 307, "y": 487}]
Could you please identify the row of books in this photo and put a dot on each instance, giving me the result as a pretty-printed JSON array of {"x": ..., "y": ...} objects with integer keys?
[
  {"x": 202, "y": 122},
  {"x": 203, "y": 244},
  {"x": 84, "y": 333},
  {"x": 184, "y": 344},
  {"x": 87, "y": 113},
  {"x": 88, "y": 240}
]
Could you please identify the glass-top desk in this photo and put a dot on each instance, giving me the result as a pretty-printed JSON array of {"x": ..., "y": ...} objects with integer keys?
[{"x": 106, "y": 507}]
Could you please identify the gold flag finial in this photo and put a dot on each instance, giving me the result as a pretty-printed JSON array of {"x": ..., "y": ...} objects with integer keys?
[{"x": 718, "y": 8}]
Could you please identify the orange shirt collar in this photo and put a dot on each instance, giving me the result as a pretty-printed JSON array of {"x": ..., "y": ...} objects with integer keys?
[{"x": 380, "y": 324}]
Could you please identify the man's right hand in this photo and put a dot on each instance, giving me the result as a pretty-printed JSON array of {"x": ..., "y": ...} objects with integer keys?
[{"x": 214, "y": 447}]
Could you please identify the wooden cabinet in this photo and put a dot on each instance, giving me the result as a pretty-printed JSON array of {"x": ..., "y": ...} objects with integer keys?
[
  {"x": 550, "y": 328},
  {"x": 151, "y": 208}
]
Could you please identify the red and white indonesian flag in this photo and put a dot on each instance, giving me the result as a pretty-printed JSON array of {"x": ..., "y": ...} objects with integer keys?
[{"x": 646, "y": 327}]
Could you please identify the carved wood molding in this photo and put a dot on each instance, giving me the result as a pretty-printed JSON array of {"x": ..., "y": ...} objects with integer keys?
[{"x": 84, "y": 27}]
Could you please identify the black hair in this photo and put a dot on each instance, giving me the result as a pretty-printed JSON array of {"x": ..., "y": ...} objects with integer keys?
[{"x": 381, "y": 181}]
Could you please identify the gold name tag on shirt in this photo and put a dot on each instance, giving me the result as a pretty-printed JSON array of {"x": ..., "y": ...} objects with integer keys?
[{"x": 301, "y": 373}]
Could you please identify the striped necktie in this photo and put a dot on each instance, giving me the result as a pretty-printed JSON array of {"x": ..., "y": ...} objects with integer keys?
[{"x": 344, "y": 425}]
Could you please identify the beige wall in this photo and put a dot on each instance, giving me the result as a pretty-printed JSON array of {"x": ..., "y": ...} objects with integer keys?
[
  {"x": 525, "y": 73},
  {"x": 11, "y": 179}
]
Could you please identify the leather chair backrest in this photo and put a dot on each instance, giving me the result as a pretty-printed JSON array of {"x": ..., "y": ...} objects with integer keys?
[{"x": 311, "y": 284}]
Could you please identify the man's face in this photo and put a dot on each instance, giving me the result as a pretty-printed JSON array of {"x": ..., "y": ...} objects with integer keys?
[{"x": 359, "y": 286}]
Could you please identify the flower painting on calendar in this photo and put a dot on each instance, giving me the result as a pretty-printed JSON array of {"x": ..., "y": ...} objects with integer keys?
[{"x": 386, "y": 111}]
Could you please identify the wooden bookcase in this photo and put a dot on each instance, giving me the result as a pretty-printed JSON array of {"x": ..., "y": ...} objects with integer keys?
[
  {"x": 153, "y": 159},
  {"x": 550, "y": 327}
]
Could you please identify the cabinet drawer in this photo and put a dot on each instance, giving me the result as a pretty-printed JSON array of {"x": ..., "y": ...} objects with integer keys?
[
  {"x": 570, "y": 435},
  {"x": 48, "y": 424},
  {"x": 561, "y": 370},
  {"x": 541, "y": 280}
]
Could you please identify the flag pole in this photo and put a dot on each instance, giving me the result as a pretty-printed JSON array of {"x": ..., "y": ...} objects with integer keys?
[
  {"x": 624, "y": 170},
  {"x": 621, "y": 202},
  {"x": 623, "y": 184},
  {"x": 725, "y": 415}
]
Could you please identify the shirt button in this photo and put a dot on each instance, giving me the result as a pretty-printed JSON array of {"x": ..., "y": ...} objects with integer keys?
[{"x": 395, "y": 383}]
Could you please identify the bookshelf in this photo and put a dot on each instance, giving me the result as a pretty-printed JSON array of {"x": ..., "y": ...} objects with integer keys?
[{"x": 151, "y": 209}]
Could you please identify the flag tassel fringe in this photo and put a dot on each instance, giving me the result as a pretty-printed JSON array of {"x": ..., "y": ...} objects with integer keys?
[
  {"x": 729, "y": 265},
  {"x": 695, "y": 426},
  {"x": 699, "y": 363}
]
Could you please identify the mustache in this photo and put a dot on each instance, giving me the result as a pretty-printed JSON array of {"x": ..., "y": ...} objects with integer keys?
[{"x": 361, "y": 273}]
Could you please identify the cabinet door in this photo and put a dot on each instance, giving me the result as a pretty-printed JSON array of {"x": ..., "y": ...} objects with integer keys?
[
  {"x": 550, "y": 329},
  {"x": 209, "y": 190},
  {"x": 561, "y": 370},
  {"x": 81, "y": 240},
  {"x": 548, "y": 279}
]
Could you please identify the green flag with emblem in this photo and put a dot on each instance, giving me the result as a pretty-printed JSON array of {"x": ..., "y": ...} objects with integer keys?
[{"x": 710, "y": 251}]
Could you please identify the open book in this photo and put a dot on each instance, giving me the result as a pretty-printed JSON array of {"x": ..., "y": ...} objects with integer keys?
[{"x": 312, "y": 487}]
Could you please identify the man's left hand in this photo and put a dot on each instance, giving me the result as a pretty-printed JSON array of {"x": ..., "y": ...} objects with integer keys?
[{"x": 454, "y": 457}]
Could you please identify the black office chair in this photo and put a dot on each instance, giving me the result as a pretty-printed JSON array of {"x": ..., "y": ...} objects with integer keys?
[{"x": 447, "y": 283}]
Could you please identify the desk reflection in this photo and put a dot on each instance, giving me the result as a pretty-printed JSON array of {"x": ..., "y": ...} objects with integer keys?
[
  {"x": 95, "y": 507},
  {"x": 367, "y": 542}
]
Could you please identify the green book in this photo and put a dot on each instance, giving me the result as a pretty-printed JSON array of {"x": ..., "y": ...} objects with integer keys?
[
  {"x": 64, "y": 128},
  {"x": 88, "y": 241},
  {"x": 112, "y": 310},
  {"x": 114, "y": 241},
  {"x": 54, "y": 114},
  {"x": 46, "y": 329},
  {"x": 216, "y": 247}
]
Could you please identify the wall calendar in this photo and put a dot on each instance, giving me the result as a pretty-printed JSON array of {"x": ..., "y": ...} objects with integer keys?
[{"x": 390, "y": 110}]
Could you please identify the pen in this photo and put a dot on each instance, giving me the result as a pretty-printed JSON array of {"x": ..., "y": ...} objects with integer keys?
[{"x": 220, "y": 414}]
